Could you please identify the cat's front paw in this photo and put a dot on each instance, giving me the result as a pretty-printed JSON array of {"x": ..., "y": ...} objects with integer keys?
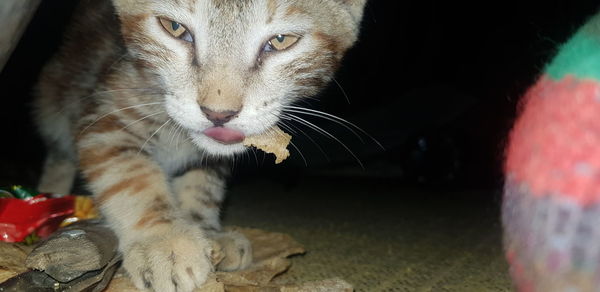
[
  {"x": 169, "y": 262},
  {"x": 235, "y": 250}
]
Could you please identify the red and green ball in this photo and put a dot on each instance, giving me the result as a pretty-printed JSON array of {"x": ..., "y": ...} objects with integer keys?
[{"x": 551, "y": 207}]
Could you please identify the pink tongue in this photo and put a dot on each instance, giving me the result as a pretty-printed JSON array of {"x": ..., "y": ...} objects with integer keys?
[{"x": 224, "y": 135}]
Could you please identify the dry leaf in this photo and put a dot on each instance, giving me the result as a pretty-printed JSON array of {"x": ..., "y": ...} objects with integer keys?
[{"x": 270, "y": 250}]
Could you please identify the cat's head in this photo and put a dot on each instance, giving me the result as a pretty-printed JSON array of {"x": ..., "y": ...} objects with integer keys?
[{"x": 230, "y": 66}]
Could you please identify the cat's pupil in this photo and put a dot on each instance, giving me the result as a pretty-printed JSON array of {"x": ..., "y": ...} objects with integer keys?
[
  {"x": 280, "y": 38},
  {"x": 175, "y": 25}
]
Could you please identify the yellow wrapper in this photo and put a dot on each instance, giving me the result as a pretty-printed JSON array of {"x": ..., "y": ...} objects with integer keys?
[{"x": 84, "y": 209}]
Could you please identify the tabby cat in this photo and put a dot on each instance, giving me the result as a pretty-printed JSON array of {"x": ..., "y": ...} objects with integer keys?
[{"x": 145, "y": 97}]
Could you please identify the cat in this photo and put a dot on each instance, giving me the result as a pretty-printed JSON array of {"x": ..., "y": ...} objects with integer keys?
[{"x": 145, "y": 98}]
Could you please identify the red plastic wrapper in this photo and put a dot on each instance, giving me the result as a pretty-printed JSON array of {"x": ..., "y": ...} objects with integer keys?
[{"x": 40, "y": 215}]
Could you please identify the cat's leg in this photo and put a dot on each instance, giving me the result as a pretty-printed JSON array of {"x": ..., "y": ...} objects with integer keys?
[
  {"x": 200, "y": 193},
  {"x": 60, "y": 166},
  {"x": 58, "y": 172},
  {"x": 161, "y": 250}
]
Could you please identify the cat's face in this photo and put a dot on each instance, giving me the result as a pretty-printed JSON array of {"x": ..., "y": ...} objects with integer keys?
[{"x": 230, "y": 66}]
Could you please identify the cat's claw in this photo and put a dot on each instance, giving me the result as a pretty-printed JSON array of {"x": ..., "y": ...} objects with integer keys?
[{"x": 169, "y": 262}]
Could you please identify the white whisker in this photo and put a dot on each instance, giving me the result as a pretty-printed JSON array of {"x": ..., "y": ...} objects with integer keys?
[
  {"x": 116, "y": 111},
  {"x": 182, "y": 131},
  {"x": 173, "y": 133},
  {"x": 272, "y": 133},
  {"x": 310, "y": 139},
  {"x": 144, "y": 145},
  {"x": 255, "y": 157},
  {"x": 64, "y": 107},
  {"x": 326, "y": 118},
  {"x": 117, "y": 61},
  {"x": 342, "y": 89},
  {"x": 299, "y": 152},
  {"x": 325, "y": 133},
  {"x": 292, "y": 117},
  {"x": 141, "y": 119},
  {"x": 331, "y": 117},
  {"x": 287, "y": 128}
]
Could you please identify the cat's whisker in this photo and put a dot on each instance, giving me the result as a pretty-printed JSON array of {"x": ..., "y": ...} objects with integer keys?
[
  {"x": 149, "y": 89},
  {"x": 310, "y": 125},
  {"x": 290, "y": 126},
  {"x": 117, "y": 61},
  {"x": 172, "y": 133},
  {"x": 233, "y": 158},
  {"x": 189, "y": 138},
  {"x": 325, "y": 133},
  {"x": 246, "y": 156},
  {"x": 291, "y": 130},
  {"x": 326, "y": 118},
  {"x": 182, "y": 131},
  {"x": 303, "y": 99},
  {"x": 287, "y": 128},
  {"x": 292, "y": 117},
  {"x": 204, "y": 159},
  {"x": 255, "y": 156},
  {"x": 299, "y": 152},
  {"x": 277, "y": 118},
  {"x": 141, "y": 119},
  {"x": 272, "y": 132},
  {"x": 154, "y": 133},
  {"x": 178, "y": 132},
  {"x": 342, "y": 89},
  {"x": 116, "y": 111},
  {"x": 97, "y": 93},
  {"x": 280, "y": 123},
  {"x": 333, "y": 118}
]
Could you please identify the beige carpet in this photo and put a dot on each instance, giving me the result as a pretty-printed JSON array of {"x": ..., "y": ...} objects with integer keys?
[{"x": 379, "y": 237}]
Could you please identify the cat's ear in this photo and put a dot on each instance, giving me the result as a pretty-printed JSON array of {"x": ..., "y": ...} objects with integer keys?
[
  {"x": 355, "y": 7},
  {"x": 126, "y": 7}
]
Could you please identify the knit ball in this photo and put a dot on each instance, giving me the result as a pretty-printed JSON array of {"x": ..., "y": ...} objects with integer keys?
[{"x": 551, "y": 206}]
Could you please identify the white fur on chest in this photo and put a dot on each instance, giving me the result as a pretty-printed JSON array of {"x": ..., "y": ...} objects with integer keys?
[{"x": 174, "y": 156}]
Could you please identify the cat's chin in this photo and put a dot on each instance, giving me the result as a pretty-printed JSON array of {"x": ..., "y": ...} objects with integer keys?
[{"x": 212, "y": 147}]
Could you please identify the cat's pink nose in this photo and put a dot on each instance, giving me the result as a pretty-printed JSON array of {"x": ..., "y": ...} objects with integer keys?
[{"x": 218, "y": 118}]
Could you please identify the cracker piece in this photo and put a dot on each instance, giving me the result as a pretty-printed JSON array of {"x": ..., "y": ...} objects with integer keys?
[{"x": 273, "y": 141}]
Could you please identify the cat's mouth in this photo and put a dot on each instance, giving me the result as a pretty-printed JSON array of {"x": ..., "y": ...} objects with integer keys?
[{"x": 224, "y": 135}]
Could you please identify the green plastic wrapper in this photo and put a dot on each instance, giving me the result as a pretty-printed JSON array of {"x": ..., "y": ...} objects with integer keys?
[{"x": 17, "y": 191}]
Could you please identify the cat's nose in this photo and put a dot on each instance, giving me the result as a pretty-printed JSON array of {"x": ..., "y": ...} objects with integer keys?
[{"x": 219, "y": 117}]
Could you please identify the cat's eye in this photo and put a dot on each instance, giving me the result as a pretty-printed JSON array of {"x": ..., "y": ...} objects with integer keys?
[
  {"x": 176, "y": 29},
  {"x": 281, "y": 42}
]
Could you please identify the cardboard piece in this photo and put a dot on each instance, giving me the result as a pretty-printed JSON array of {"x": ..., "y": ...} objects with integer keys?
[{"x": 12, "y": 259}]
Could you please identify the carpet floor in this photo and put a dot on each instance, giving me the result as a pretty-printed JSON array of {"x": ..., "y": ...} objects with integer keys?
[{"x": 380, "y": 237}]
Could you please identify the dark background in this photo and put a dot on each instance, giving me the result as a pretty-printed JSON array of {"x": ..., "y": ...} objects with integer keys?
[{"x": 436, "y": 83}]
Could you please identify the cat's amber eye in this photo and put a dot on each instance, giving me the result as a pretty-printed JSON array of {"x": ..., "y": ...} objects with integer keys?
[
  {"x": 281, "y": 42},
  {"x": 176, "y": 29}
]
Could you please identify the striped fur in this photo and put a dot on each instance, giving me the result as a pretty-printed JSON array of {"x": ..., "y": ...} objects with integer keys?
[{"x": 121, "y": 102}]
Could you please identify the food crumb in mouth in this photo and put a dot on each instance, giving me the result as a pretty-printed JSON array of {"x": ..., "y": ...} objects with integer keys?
[{"x": 273, "y": 141}]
